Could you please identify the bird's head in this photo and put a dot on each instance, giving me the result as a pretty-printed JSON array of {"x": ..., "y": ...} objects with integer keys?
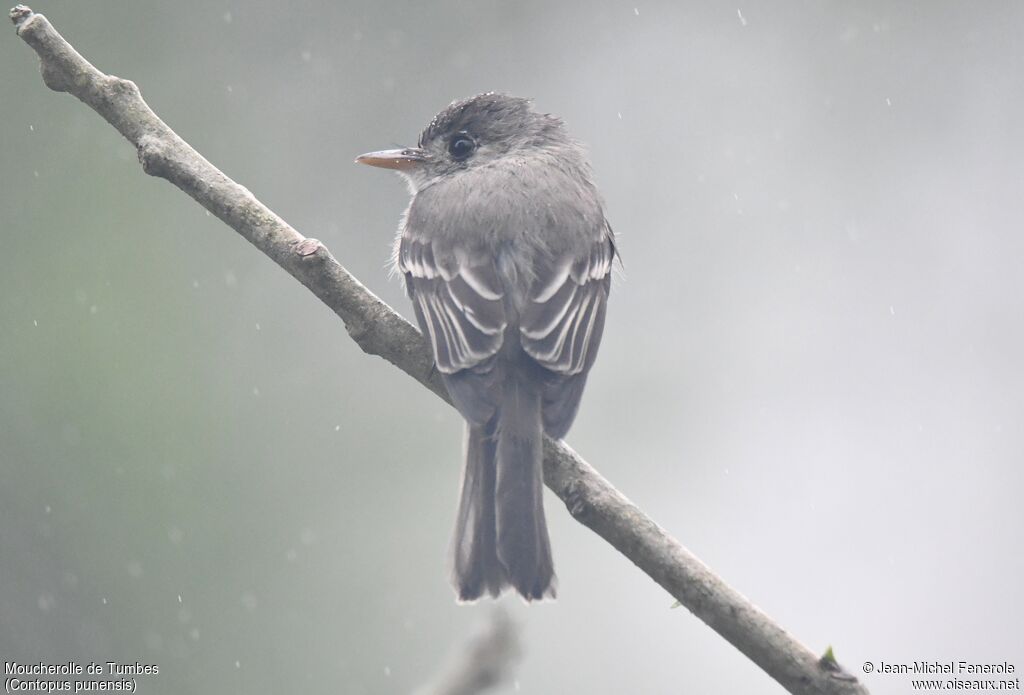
[{"x": 472, "y": 133}]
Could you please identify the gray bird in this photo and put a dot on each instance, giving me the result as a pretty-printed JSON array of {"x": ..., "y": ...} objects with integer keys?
[{"x": 507, "y": 258}]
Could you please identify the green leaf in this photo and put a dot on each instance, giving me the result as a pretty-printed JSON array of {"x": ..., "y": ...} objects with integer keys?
[{"x": 829, "y": 658}]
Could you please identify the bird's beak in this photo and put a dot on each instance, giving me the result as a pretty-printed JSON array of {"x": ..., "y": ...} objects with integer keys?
[{"x": 393, "y": 159}]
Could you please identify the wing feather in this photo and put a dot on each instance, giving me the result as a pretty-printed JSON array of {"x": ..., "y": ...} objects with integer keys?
[
  {"x": 460, "y": 305},
  {"x": 557, "y": 325}
]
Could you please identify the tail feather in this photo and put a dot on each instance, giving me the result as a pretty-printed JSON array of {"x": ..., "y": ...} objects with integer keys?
[
  {"x": 501, "y": 537},
  {"x": 476, "y": 569},
  {"x": 522, "y": 535}
]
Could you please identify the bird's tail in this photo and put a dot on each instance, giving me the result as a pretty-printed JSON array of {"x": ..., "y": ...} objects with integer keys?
[
  {"x": 501, "y": 537},
  {"x": 522, "y": 534},
  {"x": 476, "y": 569}
]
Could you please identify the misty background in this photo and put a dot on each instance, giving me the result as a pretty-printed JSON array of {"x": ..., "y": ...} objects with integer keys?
[{"x": 811, "y": 372}]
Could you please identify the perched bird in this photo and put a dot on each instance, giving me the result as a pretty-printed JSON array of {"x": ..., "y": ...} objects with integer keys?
[{"x": 507, "y": 258}]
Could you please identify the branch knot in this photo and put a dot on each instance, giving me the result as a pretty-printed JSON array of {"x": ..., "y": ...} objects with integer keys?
[
  {"x": 120, "y": 87},
  {"x": 19, "y": 13},
  {"x": 309, "y": 247},
  {"x": 576, "y": 499},
  {"x": 153, "y": 155}
]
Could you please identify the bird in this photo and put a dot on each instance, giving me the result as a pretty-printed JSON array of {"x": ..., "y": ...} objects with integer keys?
[{"x": 507, "y": 258}]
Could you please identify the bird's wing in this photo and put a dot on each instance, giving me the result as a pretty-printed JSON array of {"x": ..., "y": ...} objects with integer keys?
[
  {"x": 458, "y": 301},
  {"x": 562, "y": 321}
]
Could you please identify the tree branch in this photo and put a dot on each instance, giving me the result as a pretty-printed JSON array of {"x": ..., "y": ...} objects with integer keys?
[
  {"x": 485, "y": 661},
  {"x": 379, "y": 330}
]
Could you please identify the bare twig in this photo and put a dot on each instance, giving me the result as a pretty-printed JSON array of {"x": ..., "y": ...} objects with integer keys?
[
  {"x": 483, "y": 662},
  {"x": 379, "y": 330}
]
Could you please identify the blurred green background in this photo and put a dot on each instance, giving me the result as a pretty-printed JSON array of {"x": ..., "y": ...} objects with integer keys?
[{"x": 811, "y": 371}]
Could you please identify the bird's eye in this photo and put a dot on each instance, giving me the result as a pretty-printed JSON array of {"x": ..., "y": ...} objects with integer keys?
[{"x": 461, "y": 146}]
